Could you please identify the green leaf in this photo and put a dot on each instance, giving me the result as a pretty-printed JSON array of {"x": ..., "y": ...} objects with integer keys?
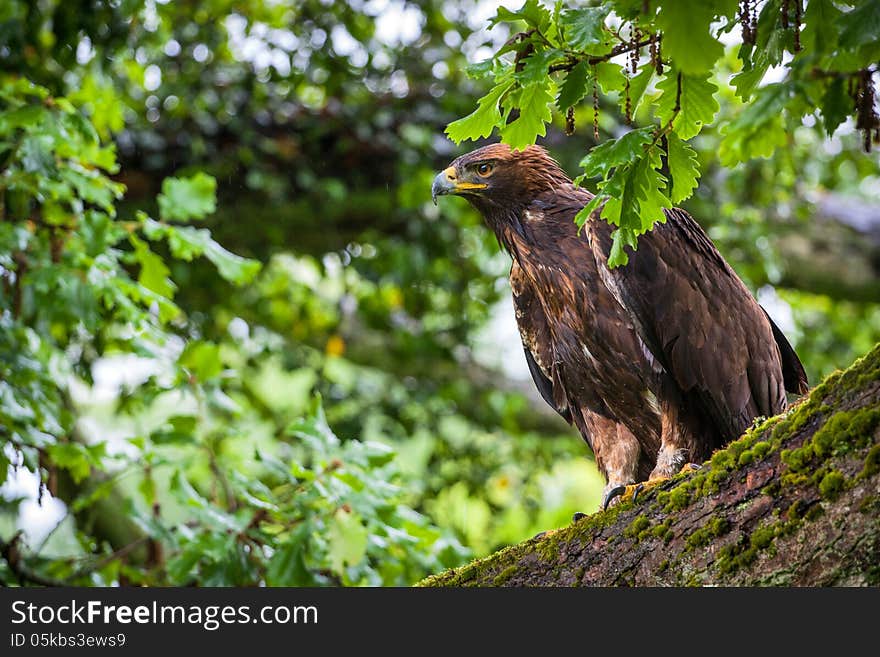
[
  {"x": 154, "y": 273},
  {"x": 4, "y": 466},
  {"x": 697, "y": 103},
  {"x": 26, "y": 117},
  {"x": 231, "y": 267},
  {"x": 746, "y": 80},
  {"x": 861, "y": 26},
  {"x": 480, "y": 70},
  {"x": 820, "y": 34},
  {"x": 634, "y": 201},
  {"x": 610, "y": 77},
  {"x": 147, "y": 488},
  {"x": 532, "y": 12},
  {"x": 184, "y": 199},
  {"x": 584, "y": 29},
  {"x": 647, "y": 183},
  {"x": 102, "y": 101},
  {"x": 347, "y": 539},
  {"x": 179, "y": 430},
  {"x": 637, "y": 87},
  {"x": 82, "y": 126},
  {"x": 536, "y": 66},
  {"x": 483, "y": 120},
  {"x": 687, "y": 39},
  {"x": 187, "y": 242},
  {"x": 758, "y": 130},
  {"x": 534, "y": 104},
  {"x": 378, "y": 454},
  {"x": 621, "y": 237},
  {"x": 202, "y": 359},
  {"x": 836, "y": 105},
  {"x": 615, "y": 152},
  {"x": 574, "y": 87},
  {"x": 584, "y": 214},
  {"x": 94, "y": 494},
  {"x": 76, "y": 458},
  {"x": 36, "y": 155},
  {"x": 287, "y": 567},
  {"x": 181, "y": 565},
  {"x": 683, "y": 168}
]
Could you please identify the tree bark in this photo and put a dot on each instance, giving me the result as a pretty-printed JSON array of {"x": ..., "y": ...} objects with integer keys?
[{"x": 795, "y": 501}]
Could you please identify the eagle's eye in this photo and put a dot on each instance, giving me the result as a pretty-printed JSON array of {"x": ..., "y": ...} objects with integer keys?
[{"x": 484, "y": 169}]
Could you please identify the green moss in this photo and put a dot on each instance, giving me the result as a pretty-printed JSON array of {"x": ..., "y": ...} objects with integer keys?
[
  {"x": 722, "y": 459},
  {"x": 794, "y": 479},
  {"x": 661, "y": 530},
  {"x": 799, "y": 458},
  {"x": 704, "y": 535},
  {"x": 864, "y": 371},
  {"x": 637, "y": 526},
  {"x": 504, "y": 576},
  {"x": 760, "y": 449},
  {"x": 797, "y": 510},
  {"x": 679, "y": 497},
  {"x": 747, "y": 456},
  {"x": 872, "y": 463},
  {"x": 738, "y": 555},
  {"x": 831, "y": 485},
  {"x": 548, "y": 548},
  {"x": 846, "y": 430},
  {"x": 762, "y": 537}
]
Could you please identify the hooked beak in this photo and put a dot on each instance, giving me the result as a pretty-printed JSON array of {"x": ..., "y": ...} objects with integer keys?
[{"x": 447, "y": 182}]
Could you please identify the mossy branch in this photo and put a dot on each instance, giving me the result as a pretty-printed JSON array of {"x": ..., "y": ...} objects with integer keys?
[{"x": 795, "y": 501}]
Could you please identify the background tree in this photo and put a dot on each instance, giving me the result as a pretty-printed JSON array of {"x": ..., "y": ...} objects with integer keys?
[{"x": 161, "y": 393}]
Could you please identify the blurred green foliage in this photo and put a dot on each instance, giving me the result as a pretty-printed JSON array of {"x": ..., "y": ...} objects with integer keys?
[{"x": 311, "y": 402}]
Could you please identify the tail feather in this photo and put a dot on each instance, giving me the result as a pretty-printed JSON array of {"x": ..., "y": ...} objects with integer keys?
[{"x": 793, "y": 374}]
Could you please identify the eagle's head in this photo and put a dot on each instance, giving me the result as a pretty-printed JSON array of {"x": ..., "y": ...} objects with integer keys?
[{"x": 496, "y": 178}]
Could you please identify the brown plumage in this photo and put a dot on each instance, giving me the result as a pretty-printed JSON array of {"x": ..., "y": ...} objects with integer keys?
[{"x": 656, "y": 363}]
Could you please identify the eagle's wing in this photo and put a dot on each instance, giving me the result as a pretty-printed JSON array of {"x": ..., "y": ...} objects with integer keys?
[
  {"x": 700, "y": 321},
  {"x": 534, "y": 330}
]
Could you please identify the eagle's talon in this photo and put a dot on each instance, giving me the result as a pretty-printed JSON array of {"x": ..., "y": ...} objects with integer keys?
[
  {"x": 578, "y": 515},
  {"x": 638, "y": 489},
  {"x": 540, "y": 535},
  {"x": 617, "y": 491}
]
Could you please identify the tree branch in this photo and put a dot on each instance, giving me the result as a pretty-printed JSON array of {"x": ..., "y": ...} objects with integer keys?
[
  {"x": 793, "y": 502},
  {"x": 615, "y": 51}
]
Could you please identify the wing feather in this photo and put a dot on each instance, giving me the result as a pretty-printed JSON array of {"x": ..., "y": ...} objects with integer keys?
[
  {"x": 700, "y": 321},
  {"x": 534, "y": 331}
]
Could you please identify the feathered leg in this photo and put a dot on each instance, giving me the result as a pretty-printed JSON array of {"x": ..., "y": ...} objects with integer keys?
[{"x": 617, "y": 453}]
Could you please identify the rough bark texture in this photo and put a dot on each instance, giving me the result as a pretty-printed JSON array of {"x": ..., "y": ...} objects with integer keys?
[{"x": 795, "y": 501}]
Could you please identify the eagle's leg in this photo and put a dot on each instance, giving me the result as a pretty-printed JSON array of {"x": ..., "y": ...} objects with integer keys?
[
  {"x": 676, "y": 437},
  {"x": 677, "y": 443},
  {"x": 617, "y": 453}
]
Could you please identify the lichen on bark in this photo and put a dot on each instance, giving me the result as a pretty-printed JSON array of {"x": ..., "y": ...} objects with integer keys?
[{"x": 795, "y": 501}]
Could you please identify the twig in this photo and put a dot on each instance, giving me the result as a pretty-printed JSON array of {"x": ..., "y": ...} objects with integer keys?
[{"x": 617, "y": 50}]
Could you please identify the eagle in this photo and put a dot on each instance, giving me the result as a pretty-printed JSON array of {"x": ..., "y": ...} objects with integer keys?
[{"x": 656, "y": 363}]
